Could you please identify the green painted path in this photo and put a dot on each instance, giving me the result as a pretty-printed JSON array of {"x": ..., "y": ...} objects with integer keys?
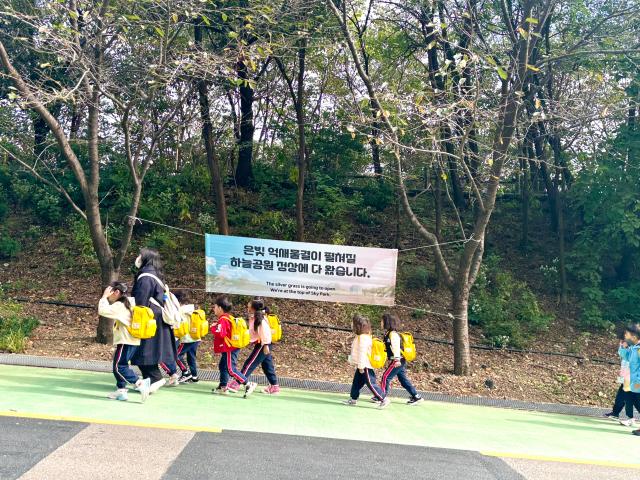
[{"x": 69, "y": 395}]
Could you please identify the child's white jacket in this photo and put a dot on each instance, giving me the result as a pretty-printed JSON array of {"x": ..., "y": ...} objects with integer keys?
[
  {"x": 121, "y": 315},
  {"x": 360, "y": 351}
]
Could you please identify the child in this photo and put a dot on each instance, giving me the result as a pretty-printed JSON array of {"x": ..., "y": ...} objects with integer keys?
[
  {"x": 221, "y": 331},
  {"x": 187, "y": 346},
  {"x": 397, "y": 364},
  {"x": 364, "y": 374},
  {"x": 261, "y": 340},
  {"x": 115, "y": 305},
  {"x": 621, "y": 396},
  {"x": 632, "y": 355}
]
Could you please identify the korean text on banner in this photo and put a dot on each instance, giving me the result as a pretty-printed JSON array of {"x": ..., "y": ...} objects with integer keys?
[{"x": 305, "y": 271}]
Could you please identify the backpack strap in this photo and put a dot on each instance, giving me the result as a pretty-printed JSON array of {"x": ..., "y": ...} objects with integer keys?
[{"x": 151, "y": 275}]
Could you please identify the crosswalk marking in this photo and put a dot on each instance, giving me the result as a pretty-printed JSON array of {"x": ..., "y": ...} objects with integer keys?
[{"x": 105, "y": 452}]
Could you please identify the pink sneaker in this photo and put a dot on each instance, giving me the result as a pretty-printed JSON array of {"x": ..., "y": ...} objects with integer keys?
[
  {"x": 271, "y": 390},
  {"x": 233, "y": 386}
]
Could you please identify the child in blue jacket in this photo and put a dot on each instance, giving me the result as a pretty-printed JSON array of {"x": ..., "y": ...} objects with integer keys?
[{"x": 632, "y": 354}]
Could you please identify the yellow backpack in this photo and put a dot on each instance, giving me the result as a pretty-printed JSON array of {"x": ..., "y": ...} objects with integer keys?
[
  {"x": 276, "y": 328},
  {"x": 143, "y": 323},
  {"x": 378, "y": 356},
  {"x": 240, "y": 336},
  {"x": 183, "y": 328},
  {"x": 199, "y": 325},
  {"x": 408, "y": 347}
]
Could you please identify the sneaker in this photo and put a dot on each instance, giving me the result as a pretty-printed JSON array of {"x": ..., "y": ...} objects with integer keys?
[
  {"x": 271, "y": 390},
  {"x": 120, "y": 394},
  {"x": 194, "y": 379},
  {"x": 174, "y": 380},
  {"x": 233, "y": 386},
  {"x": 375, "y": 400},
  {"x": 611, "y": 416},
  {"x": 185, "y": 379},
  {"x": 415, "y": 400},
  {"x": 220, "y": 391},
  {"x": 155, "y": 386},
  {"x": 249, "y": 388},
  {"x": 636, "y": 432},
  {"x": 143, "y": 386},
  {"x": 629, "y": 422},
  {"x": 384, "y": 403},
  {"x": 351, "y": 402}
]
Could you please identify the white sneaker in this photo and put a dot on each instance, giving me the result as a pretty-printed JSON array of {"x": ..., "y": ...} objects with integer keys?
[
  {"x": 174, "y": 380},
  {"x": 120, "y": 394},
  {"x": 384, "y": 403},
  {"x": 249, "y": 388},
  {"x": 629, "y": 422},
  {"x": 351, "y": 402},
  {"x": 143, "y": 386},
  {"x": 155, "y": 386}
]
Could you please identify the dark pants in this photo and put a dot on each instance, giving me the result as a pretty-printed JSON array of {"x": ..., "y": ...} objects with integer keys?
[
  {"x": 633, "y": 400},
  {"x": 170, "y": 368},
  {"x": 258, "y": 357},
  {"x": 367, "y": 378},
  {"x": 621, "y": 402},
  {"x": 227, "y": 366},
  {"x": 151, "y": 372},
  {"x": 121, "y": 369},
  {"x": 187, "y": 358},
  {"x": 401, "y": 372}
]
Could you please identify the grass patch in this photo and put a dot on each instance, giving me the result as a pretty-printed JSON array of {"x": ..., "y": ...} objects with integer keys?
[{"x": 15, "y": 327}]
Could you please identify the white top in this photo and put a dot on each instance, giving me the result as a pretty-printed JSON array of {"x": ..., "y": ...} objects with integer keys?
[
  {"x": 360, "y": 351},
  {"x": 395, "y": 344},
  {"x": 186, "y": 311},
  {"x": 122, "y": 315}
]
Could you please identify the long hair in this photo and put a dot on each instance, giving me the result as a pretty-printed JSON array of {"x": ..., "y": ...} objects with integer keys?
[
  {"x": 123, "y": 289},
  {"x": 260, "y": 310},
  {"x": 151, "y": 258},
  {"x": 391, "y": 322},
  {"x": 361, "y": 325}
]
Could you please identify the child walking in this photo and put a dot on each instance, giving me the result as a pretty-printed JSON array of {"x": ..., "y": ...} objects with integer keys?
[
  {"x": 221, "y": 331},
  {"x": 187, "y": 347},
  {"x": 623, "y": 391},
  {"x": 397, "y": 364},
  {"x": 115, "y": 305},
  {"x": 261, "y": 341},
  {"x": 632, "y": 355},
  {"x": 364, "y": 374}
]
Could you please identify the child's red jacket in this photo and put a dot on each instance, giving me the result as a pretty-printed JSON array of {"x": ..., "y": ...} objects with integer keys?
[{"x": 221, "y": 332}]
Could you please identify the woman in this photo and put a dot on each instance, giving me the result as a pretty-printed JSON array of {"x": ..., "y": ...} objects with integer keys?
[{"x": 149, "y": 292}]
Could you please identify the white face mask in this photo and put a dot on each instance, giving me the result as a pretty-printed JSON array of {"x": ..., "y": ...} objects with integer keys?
[{"x": 138, "y": 262}]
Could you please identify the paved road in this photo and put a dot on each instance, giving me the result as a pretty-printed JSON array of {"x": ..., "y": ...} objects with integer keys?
[{"x": 32, "y": 449}]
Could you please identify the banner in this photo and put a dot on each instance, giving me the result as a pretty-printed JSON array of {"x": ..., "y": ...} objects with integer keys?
[{"x": 304, "y": 271}]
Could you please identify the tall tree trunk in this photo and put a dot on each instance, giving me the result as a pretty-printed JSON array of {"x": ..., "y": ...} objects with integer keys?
[
  {"x": 462, "y": 352},
  {"x": 207, "y": 137},
  {"x": 525, "y": 193},
  {"x": 244, "y": 168},
  {"x": 299, "y": 103}
]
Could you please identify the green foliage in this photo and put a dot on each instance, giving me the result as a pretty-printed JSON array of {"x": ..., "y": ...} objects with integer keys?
[
  {"x": 378, "y": 195},
  {"x": 163, "y": 240},
  {"x": 79, "y": 230},
  {"x": 9, "y": 247},
  {"x": 4, "y": 203},
  {"x": 15, "y": 327},
  {"x": 505, "y": 308},
  {"x": 41, "y": 199},
  {"x": 274, "y": 224},
  {"x": 416, "y": 277}
]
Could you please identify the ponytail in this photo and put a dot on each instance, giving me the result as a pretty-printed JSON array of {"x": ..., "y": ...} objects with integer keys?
[{"x": 257, "y": 304}]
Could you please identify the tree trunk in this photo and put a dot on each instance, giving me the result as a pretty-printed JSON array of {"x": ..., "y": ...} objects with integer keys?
[
  {"x": 244, "y": 169},
  {"x": 562, "y": 269},
  {"x": 525, "y": 194},
  {"x": 462, "y": 353},
  {"x": 212, "y": 158},
  {"x": 302, "y": 146}
]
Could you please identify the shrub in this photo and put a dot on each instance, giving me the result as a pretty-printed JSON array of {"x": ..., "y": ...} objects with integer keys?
[
  {"x": 506, "y": 309},
  {"x": 9, "y": 247},
  {"x": 415, "y": 277},
  {"x": 15, "y": 327}
]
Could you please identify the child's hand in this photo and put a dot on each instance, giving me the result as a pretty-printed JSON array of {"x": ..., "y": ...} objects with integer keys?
[
  {"x": 397, "y": 363},
  {"x": 107, "y": 292},
  {"x": 361, "y": 370},
  {"x": 266, "y": 349}
]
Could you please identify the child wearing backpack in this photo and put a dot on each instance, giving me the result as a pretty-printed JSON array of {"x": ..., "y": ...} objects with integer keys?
[
  {"x": 187, "y": 347},
  {"x": 364, "y": 374},
  {"x": 623, "y": 391},
  {"x": 397, "y": 364},
  {"x": 221, "y": 330},
  {"x": 261, "y": 340},
  {"x": 632, "y": 355},
  {"x": 116, "y": 306}
]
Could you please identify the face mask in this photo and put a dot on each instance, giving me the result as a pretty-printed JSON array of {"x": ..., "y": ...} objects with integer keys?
[{"x": 138, "y": 262}]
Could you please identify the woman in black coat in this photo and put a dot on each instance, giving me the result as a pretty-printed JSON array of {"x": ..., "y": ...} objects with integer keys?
[{"x": 161, "y": 348}]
